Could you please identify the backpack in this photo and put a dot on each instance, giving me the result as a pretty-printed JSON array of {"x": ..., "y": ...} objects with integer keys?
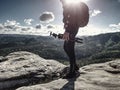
[{"x": 82, "y": 14}]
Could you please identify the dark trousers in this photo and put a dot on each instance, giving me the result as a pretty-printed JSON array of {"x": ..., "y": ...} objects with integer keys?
[{"x": 69, "y": 48}]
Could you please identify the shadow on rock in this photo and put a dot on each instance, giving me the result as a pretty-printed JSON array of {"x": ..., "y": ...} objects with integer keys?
[{"x": 71, "y": 83}]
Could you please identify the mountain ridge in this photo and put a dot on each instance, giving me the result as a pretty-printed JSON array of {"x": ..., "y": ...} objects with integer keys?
[{"x": 99, "y": 47}]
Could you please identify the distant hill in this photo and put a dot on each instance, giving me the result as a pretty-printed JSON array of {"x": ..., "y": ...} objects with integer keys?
[
  {"x": 47, "y": 47},
  {"x": 93, "y": 47}
]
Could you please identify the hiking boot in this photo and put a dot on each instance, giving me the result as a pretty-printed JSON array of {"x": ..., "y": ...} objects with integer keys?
[
  {"x": 76, "y": 68},
  {"x": 70, "y": 75}
]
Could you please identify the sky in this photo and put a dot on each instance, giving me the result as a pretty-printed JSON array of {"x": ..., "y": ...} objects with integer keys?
[{"x": 41, "y": 16}]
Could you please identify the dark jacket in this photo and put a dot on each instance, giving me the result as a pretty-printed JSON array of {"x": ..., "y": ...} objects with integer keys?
[{"x": 70, "y": 17}]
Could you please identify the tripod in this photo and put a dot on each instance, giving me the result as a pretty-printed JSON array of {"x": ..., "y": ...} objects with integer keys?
[{"x": 60, "y": 36}]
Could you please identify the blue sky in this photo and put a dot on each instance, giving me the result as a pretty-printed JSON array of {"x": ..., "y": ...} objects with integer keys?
[{"x": 105, "y": 15}]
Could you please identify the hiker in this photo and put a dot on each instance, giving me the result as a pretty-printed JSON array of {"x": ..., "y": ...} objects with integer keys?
[{"x": 71, "y": 17}]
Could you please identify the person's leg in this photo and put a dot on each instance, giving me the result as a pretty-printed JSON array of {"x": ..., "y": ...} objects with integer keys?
[{"x": 69, "y": 49}]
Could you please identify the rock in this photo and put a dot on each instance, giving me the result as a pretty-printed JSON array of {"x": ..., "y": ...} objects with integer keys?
[
  {"x": 113, "y": 67},
  {"x": 2, "y": 59},
  {"x": 25, "y": 68},
  {"x": 92, "y": 77},
  {"x": 27, "y": 71}
]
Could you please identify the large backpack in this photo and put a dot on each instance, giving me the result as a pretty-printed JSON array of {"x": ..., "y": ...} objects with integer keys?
[{"x": 82, "y": 14}]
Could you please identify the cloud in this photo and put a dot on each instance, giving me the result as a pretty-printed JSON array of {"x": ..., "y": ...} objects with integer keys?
[
  {"x": 115, "y": 27},
  {"x": 1, "y": 26},
  {"x": 47, "y": 17},
  {"x": 11, "y": 24},
  {"x": 90, "y": 30},
  {"x": 119, "y": 1},
  {"x": 95, "y": 13},
  {"x": 28, "y": 21},
  {"x": 55, "y": 28},
  {"x": 50, "y": 26},
  {"x": 14, "y": 27},
  {"x": 25, "y": 28},
  {"x": 38, "y": 26}
]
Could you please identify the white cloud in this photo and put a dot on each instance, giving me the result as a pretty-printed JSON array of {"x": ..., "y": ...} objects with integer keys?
[
  {"x": 115, "y": 27},
  {"x": 28, "y": 21},
  {"x": 50, "y": 26},
  {"x": 55, "y": 28},
  {"x": 38, "y": 26},
  {"x": 93, "y": 30},
  {"x": 11, "y": 25},
  {"x": 95, "y": 13},
  {"x": 47, "y": 17},
  {"x": 1, "y": 26},
  {"x": 45, "y": 31},
  {"x": 89, "y": 30}
]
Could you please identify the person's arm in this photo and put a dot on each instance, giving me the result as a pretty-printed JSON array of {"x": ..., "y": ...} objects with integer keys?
[
  {"x": 66, "y": 25},
  {"x": 66, "y": 36},
  {"x": 66, "y": 18}
]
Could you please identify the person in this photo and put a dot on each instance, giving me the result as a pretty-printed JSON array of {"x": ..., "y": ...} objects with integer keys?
[{"x": 71, "y": 26}]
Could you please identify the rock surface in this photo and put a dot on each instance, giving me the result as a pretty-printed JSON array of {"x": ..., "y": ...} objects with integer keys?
[
  {"x": 25, "y": 68},
  {"x": 104, "y": 76},
  {"x": 27, "y": 71},
  {"x": 1, "y": 58}
]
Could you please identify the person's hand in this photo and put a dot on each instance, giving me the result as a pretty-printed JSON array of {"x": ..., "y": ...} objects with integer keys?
[{"x": 66, "y": 36}]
